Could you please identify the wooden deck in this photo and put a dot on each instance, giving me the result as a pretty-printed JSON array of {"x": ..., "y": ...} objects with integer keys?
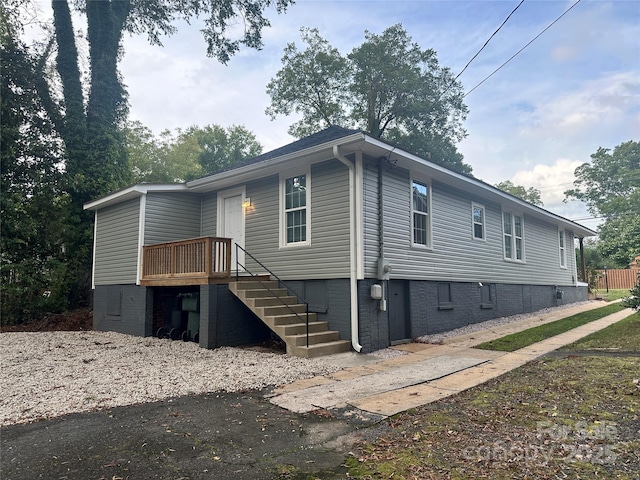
[{"x": 198, "y": 261}]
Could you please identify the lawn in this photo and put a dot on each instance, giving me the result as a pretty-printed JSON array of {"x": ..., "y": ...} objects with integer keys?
[
  {"x": 516, "y": 341},
  {"x": 572, "y": 417},
  {"x": 613, "y": 294}
]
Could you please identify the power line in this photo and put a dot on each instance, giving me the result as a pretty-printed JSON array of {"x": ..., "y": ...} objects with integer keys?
[
  {"x": 477, "y": 53},
  {"x": 485, "y": 44},
  {"x": 519, "y": 51}
]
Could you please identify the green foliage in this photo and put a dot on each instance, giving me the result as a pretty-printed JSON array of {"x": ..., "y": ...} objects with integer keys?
[
  {"x": 312, "y": 84},
  {"x": 32, "y": 204},
  {"x": 531, "y": 194},
  {"x": 593, "y": 256},
  {"x": 219, "y": 148},
  {"x": 187, "y": 154},
  {"x": 90, "y": 118},
  {"x": 619, "y": 240},
  {"x": 388, "y": 86},
  {"x": 633, "y": 301},
  {"x": 610, "y": 186}
]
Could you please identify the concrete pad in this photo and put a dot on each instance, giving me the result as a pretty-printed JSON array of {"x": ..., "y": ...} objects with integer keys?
[
  {"x": 302, "y": 384},
  {"x": 339, "y": 394},
  {"x": 413, "y": 347},
  {"x": 429, "y": 372},
  {"x": 390, "y": 403},
  {"x": 399, "y": 361},
  {"x": 342, "y": 375}
]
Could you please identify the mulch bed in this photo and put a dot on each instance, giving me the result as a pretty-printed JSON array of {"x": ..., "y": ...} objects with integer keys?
[{"x": 75, "y": 320}]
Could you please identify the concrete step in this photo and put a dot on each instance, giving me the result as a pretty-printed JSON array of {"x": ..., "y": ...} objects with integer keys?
[
  {"x": 271, "y": 301},
  {"x": 289, "y": 319},
  {"x": 262, "y": 293},
  {"x": 300, "y": 328},
  {"x": 256, "y": 285},
  {"x": 320, "y": 350},
  {"x": 314, "y": 338},
  {"x": 284, "y": 310}
]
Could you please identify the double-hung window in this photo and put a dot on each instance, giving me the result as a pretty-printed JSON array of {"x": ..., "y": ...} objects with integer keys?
[
  {"x": 295, "y": 197},
  {"x": 420, "y": 214},
  {"x": 563, "y": 250},
  {"x": 477, "y": 214},
  {"x": 513, "y": 236}
]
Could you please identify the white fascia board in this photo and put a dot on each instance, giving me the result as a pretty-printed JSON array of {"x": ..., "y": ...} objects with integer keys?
[
  {"x": 271, "y": 165},
  {"x": 483, "y": 190},
  {"x": 133, "y": 192}
]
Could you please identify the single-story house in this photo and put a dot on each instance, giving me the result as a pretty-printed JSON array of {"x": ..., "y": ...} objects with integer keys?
[{"x": 336, "y": 241}]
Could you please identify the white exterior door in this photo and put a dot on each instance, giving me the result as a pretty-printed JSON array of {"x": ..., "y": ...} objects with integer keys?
[{"x": 231, "y": 221}]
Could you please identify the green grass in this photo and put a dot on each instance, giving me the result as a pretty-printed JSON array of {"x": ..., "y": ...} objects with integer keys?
[
  {"x": 533, "y": 335},
  {"x": 613, "y": 294},
  {"x": 623, "y": 336}
]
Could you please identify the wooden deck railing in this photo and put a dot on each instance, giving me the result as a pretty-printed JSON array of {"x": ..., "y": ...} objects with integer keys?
[{"x": 188, "y": 262}]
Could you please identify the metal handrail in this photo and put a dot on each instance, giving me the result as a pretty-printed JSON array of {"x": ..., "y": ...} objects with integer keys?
[{"x": 280, "y": 285}]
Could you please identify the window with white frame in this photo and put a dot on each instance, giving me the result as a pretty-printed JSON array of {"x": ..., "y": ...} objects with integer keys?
[
  {"x": 295, "y": 210},
  {"x": 420, "y": 214},
  {"x": 477, "y": 213},
  {"x": 563, "y": 250},
  {"x": 513, "y": 236}
]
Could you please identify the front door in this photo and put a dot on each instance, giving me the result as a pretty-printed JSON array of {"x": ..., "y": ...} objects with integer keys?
[
  {"x": 231, "y": 221},
  {"x": 399, "y": 329}
]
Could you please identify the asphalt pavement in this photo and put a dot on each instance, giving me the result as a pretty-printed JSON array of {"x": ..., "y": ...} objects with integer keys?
[{"x": 301, "y": 429}]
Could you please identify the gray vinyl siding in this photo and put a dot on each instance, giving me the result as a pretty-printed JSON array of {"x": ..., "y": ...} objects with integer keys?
[
  {"x": 370, "y": 219},
  {"x": 170, "y": 217},
  {"x": 209, "y": 215},
  {"x": 116, "y": 256},
  {"x": 454, "y": 254},
  {"x": 328, "y": 254}
]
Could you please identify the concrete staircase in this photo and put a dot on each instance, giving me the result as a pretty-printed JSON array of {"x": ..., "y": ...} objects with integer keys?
[{"x": 285, "y": 316}]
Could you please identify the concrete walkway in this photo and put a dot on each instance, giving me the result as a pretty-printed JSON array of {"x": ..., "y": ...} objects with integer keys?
[{"x": 377, "y": 387}]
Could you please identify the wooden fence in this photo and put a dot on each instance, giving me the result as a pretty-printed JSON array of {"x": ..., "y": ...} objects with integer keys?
[{"x": 617, "y": 279}]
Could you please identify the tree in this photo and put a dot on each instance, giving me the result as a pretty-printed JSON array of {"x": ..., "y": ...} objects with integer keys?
[
  {"x": 188, "y": 153},
  {"x": 633, "y": 301},
  {"x": 219, "y": 148},
  {"x": 91, "y": 124},
  {"x": 610, "y": 186},
  {"x": 388, "y": 86},
  {"x": 31, "y": 201},
  {"x": 531, "y": 194},
  {"x": 311, "y": 84}
]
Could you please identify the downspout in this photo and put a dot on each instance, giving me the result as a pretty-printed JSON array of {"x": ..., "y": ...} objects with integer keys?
[{"x": 353, "y": 267}]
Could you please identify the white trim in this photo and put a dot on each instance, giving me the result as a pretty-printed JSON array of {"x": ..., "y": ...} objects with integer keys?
[
  {"x": 441, "y": 174},
  {"x": 133, "y": 192},
  {"x": 427, "y": 183},
  {"x": 209, "y": 182},
  {"x": 359, "y": 186},
  {"x": 95, "y": 241},
  {"x": 513, "y": 257},
  {"x": 221, "y": 196},
  {"x": 562, "y": 248},
  {"x": 353, "y": 257},
  {"x": 282, "y": 220},
  {"x": 475, "y": 205},
  {"x": 141, "y": 222}
]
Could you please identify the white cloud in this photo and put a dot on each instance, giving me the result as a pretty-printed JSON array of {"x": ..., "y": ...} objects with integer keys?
[{"x": 552, "y": 180}]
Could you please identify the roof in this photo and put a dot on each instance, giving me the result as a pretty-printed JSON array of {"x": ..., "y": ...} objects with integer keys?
[
  {"x": 329, "y": 134},
  {"x": 319, "y": 147}
]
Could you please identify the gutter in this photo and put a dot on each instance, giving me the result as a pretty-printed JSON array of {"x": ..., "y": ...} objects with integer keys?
[{"x": 353, "y": 259}]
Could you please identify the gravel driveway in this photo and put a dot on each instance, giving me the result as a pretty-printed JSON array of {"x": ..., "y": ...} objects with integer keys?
[{"x": 48, "y": 374}]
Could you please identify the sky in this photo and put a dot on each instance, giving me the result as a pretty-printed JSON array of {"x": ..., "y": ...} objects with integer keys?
[{"x": 574, "y": 89}]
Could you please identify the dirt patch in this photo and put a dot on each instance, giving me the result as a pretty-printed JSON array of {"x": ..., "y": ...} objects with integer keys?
[
  {"x": 575, "y": 417},
  {"x": 75, "y": 320}
]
